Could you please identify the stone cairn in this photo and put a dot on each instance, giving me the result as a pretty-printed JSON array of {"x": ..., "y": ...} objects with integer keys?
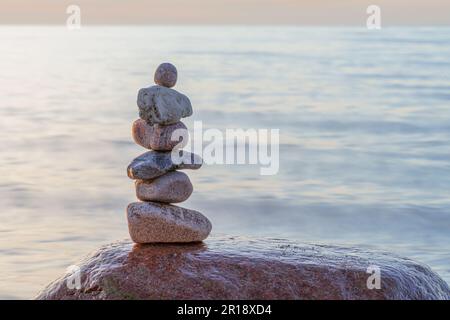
[{"x": 158, "y": 183}]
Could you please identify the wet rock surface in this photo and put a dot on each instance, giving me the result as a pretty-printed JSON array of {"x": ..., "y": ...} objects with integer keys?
[{"x": 245, "y": 268}]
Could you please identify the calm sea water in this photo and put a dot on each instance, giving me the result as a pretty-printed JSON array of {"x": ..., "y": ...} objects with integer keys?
[{"x": 364, "y": 119}]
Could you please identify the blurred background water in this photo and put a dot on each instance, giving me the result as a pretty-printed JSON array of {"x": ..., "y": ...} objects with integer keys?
[{"x": 364, "y": 119}]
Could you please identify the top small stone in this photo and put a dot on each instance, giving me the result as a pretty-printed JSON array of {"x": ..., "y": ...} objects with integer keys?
[{"x": 166, "y": 75}]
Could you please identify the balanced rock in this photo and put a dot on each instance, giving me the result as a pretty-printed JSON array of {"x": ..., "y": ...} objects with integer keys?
[
  {"x": 153, "y": 164},
  {"x": 158, "y": 137},
  {"x": 158, "y": 104},
  {"x": 173, "y": 187},
  {"x": 166, "y": 75},
  {"x": 156, "y": 222},
  {"x": 245, "y": 268}
]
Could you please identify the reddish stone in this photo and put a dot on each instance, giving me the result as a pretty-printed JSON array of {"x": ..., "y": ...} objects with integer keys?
[
  {"x": 234, "y": 268},
  {"x": 158, "y": 137}
]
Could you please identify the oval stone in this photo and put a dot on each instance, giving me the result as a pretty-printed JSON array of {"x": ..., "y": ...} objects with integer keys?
[
  {"x": 166, "y": 75},
  {"x": 159, "y": 137},
  {"x": 152, "y": 222},
  {"x": 173, "y": 187}
]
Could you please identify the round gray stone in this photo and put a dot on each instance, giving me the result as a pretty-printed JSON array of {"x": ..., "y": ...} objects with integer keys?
[{"x": 166, "y": 75}]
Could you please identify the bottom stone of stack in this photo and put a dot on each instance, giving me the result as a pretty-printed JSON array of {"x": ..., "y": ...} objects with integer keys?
[{"x": 152, "y": 222}]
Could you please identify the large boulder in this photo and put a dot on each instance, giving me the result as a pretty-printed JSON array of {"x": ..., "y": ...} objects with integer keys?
[{"x": 242, "y": 268}]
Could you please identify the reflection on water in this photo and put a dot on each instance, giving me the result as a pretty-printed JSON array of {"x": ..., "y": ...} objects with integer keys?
[{"x": 364, "y": 127}]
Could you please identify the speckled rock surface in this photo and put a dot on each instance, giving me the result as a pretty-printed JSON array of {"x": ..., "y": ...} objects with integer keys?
[
  {"x": 245, "y": 268},
  {"x": 156, "y": 222},
  {"x": 158, "y": 137},
  {"x": 166, "y": 75},
  {"x": 153, "y": 164},
  {"x": 158, "y": 104},
  {"x": 173, "y": 187}
]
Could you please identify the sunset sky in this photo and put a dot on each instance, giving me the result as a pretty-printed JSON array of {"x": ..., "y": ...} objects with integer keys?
[{"x": 301, "y": 12}]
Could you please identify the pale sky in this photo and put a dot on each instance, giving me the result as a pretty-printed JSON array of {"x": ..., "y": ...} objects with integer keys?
[{"x": 301, "y": 12}]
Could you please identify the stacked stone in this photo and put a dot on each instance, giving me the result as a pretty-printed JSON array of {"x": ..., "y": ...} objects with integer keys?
[{"x": 158, "y": 183}]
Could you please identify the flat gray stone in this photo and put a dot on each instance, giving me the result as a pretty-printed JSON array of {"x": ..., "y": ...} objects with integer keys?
[
  {"x": 159, "y": 137},
  {"x": 153, "y": 164},
  {"x": 172, "y": 187},
  {"x": 152, "y": 222},
  {"x": 158, "y": 104}
]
